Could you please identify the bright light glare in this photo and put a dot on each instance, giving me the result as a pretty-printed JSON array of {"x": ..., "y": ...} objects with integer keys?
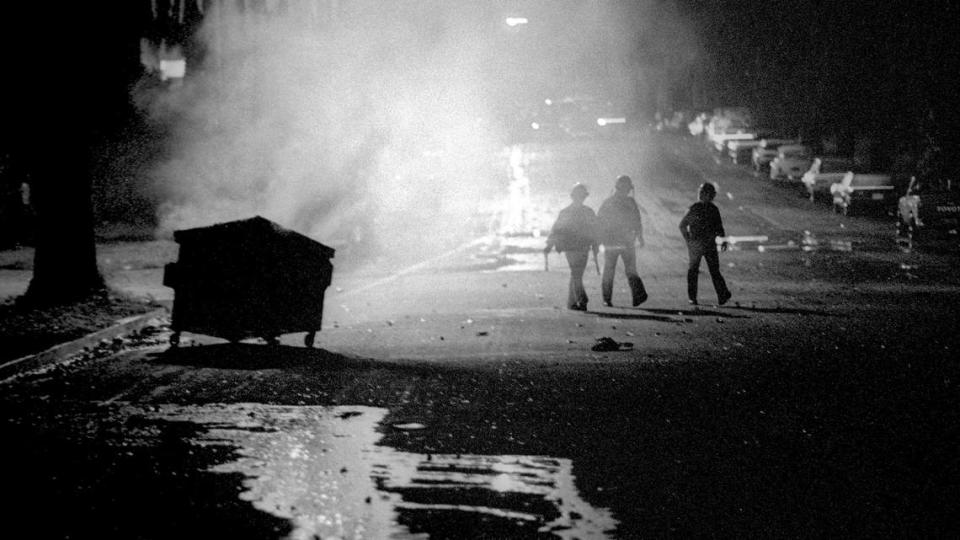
[
  {"x": 516, "y": 21},
  {"x": 604, "y": 121}
]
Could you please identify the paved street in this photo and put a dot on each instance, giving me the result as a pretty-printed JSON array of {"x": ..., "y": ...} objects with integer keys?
[{"x": 454, "y": 396}]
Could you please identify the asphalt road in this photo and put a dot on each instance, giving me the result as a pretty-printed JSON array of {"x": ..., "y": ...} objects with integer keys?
[{"x": 455, "y": 397}]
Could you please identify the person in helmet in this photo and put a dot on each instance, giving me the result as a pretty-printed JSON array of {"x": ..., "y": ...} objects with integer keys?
[
  {"x": 574, "y": 234},
  {"x": 700, "y": 228},
  {"x": 621, "y": 230}
]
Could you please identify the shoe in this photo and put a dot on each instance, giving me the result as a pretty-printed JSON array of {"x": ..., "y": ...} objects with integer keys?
[
  {"x": 579, "y": 307},
  {"x": 640, "y": 300},
  {"x": 692, "y": 302},
  {"x": 723, "y": 298},
  {"x": 608, "y": 303}
]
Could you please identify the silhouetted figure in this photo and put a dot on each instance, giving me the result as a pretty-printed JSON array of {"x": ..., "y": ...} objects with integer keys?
[
  {"x": 574, "y": 234},
  {"x": 809, "y": 178},
  {"x": 620, "y": 230},
  {"x": 841, "y": 193},
  {"x": 700, "y": 228}
]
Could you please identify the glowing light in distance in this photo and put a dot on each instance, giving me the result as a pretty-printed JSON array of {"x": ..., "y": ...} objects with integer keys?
[
  {"x": 604, "y": 121},
  {"x": 516, "y": 21}
]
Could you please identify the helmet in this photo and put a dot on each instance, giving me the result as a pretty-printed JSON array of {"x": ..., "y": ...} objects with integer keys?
[
  {"x": 579, "y": 190},
  {"x": 624, "y": 183},
  {"x": 708, "y": 187}
]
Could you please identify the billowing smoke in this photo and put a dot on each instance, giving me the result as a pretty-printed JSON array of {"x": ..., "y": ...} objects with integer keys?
[
  {"x": 373, "y": 126},
  {"x": 344, "y": 131}
]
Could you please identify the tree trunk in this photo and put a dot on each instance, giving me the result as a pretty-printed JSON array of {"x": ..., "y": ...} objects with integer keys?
[
  {"x": 67, "y": 85},
  {"x": 65, "y": 259}
]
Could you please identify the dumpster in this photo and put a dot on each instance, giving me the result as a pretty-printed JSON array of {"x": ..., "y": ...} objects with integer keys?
[{"x": 248, "y": 278}]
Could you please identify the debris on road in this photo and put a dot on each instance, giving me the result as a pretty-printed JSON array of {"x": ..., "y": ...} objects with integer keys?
[{"x": 605, "y": 344}]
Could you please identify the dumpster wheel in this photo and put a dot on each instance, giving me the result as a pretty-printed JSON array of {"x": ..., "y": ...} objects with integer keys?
[
  {"x": 272, "y": 341},
  {"x": 309, "y": 339},
  {"x": 175, "y": 340}
]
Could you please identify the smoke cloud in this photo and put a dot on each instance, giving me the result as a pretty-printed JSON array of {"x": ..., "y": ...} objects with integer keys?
[{"x": 374, "y": 127}]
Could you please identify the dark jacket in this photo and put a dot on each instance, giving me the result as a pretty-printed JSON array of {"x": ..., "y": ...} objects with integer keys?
[
  {"x": 575, "y": 229},
  {"x": 702, "y": 224},
  {"x": 620, "y": 223}
]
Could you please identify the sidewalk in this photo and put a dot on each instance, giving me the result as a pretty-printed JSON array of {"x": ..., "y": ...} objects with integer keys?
[
  {"x": 135, "y": 268},
  {"x": 37, "y": 337}
]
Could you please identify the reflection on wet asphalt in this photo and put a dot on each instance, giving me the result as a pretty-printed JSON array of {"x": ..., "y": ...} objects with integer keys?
[{"x": 321, "y": 469}]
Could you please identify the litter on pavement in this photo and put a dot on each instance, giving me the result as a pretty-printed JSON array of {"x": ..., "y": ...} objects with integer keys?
[{"x": 605, "y": 344}]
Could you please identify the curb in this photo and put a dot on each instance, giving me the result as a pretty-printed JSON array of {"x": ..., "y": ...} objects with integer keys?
[{"x": 59, "y": 353}]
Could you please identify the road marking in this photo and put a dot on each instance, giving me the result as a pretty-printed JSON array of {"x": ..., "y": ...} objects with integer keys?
[{"x": 413, "y": 268}]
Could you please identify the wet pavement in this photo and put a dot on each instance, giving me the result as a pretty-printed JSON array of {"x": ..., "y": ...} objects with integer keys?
[
  {"x": 320, "y": 468},
  {"x": 819, "y": 423},
  {"x": 822, "y": 401}
]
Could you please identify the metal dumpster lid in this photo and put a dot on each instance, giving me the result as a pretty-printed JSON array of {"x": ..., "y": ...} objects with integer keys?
[{"x": 257, "y": 225}]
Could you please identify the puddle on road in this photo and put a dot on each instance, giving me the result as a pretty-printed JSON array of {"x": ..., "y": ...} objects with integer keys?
[{"x": 321, "y": 468}]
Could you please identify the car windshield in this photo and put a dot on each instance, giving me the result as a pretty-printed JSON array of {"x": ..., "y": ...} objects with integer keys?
[{"x": 796, "y": 154}]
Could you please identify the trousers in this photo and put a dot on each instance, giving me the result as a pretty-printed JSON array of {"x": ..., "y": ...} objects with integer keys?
[
  {"x": 709, "y": 253},
  {"x": 577, "y": 295},
  {"x": 629, "y": 256}
]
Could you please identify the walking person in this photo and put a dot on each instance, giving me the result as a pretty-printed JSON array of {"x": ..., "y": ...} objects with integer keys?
[
  {"x": 574, "y": 235},
  {"x": 700, "y": 228},
  {"x": 621, "y": 230}
]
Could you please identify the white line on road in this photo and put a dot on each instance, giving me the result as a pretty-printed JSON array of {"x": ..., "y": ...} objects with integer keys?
[{"x": 413, "y": 268}]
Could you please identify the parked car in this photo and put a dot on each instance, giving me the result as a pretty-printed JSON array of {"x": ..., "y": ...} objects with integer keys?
[
  {"x": 724, "y": 117},
  {"x": 825, "y": 171},
  {"x": 720, "y": 138},
  {"x": 728, "y": 123},
  {"x": 931, "y": 205},
  {"x": 791, "y": 162},
  {"x": 766, "y": 150},
  {"x": 740, "y": 150},
  {"x": 858, "y": 191}
]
